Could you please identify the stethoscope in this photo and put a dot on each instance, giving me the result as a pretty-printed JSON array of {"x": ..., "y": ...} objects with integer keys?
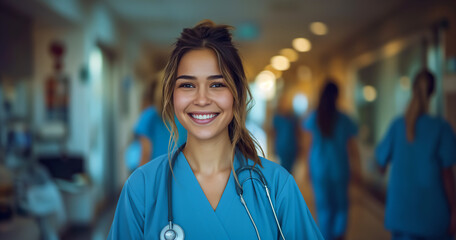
[{"x": 173, "y": 231}]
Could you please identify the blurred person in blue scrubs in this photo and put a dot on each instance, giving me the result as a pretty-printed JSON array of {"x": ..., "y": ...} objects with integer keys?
[
  {"x": 200, "y": 191},
  {"x": 151, "y": 137},
  {"x": 330, "y": 136},
  {"x": 285, "y": 133},
  {"x": 421, "y": 149}
]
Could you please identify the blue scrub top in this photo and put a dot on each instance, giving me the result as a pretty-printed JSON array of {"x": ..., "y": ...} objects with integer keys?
[
  {"x": 142, "y": 209},
  {"x": 416, "y": 201},
  {"x": 286, "y": 140},
  {"x": 151, "y": 125},
  {"x": 328, "y": 155}
]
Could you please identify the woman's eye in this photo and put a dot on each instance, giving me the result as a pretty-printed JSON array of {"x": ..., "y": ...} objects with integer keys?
[
  {"x": 217, "y": 85},
  {"x": 186, "y": 85}
]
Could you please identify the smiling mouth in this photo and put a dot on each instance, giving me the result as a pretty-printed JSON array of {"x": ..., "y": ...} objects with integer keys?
[{"x": 203, "y": 118}]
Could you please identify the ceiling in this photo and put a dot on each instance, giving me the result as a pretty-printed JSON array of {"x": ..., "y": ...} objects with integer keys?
[
  {"x": 264, "y": 27},
  {"x": 274, "y": 23}
]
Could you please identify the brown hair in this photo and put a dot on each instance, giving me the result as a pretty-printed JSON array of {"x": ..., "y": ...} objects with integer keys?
[
  {"x": 423, "y": 87},
  {"x": 327, "y": 109},
  {"x": 217, "y": 38}
]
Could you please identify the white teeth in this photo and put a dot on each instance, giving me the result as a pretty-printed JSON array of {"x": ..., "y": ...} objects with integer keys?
[{"x": 203, "y": 116}]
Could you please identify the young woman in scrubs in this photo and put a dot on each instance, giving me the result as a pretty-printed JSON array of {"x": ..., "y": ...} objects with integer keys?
[
  {"x": 330, "y": 136},
  {"x": 421, "y": 149},
  {"x": 206, "y": 88}
]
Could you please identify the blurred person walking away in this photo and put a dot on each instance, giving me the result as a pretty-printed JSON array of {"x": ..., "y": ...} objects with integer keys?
[
  {"x": 285, "y": 133},
  {"x": 329, "y": 137},
  {"x": 150, "y": 135},
  {"x": 421, "y": 149}
]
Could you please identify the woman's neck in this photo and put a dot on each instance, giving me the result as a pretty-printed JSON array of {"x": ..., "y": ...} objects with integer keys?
[{"x": 208, "y": 156}]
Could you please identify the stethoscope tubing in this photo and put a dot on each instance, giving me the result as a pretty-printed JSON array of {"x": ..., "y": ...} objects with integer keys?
[{"x": 239, "y": 190}]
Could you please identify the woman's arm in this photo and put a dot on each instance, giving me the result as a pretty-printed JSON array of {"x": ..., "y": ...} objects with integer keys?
[
  {"x": 448, "y": 182},
  {"x": 304, "y": 149},
  {"x": 355, "y": 160},
  {"x": 384, "y": 149},
  {"x": 146, "y": 150}
]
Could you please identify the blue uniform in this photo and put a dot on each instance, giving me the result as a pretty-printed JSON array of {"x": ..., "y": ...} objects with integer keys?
[
  {"x": 151, "y": 125},
  {"x": 286, "y": 142},
  {"x": 416, "y": 202},
  {"x": 329, "y": 170},
  {"x": 142, "y": 210}
]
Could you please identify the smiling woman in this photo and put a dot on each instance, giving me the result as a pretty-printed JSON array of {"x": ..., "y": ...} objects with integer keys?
[
  {"x": 200, "y": 190},
  {"x": 202, "y": 100}
]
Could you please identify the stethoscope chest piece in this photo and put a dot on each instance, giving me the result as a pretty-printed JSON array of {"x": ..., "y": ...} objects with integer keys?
[{"x": 172, "y": 232}]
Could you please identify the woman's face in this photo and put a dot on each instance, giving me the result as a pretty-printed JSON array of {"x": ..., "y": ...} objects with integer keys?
[{"x": 202, "y": 100}]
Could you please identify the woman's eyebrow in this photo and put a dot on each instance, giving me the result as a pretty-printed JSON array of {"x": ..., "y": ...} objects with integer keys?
[
  {"x": 188, "y": 77},
  {"x": 214, "y": 77}
]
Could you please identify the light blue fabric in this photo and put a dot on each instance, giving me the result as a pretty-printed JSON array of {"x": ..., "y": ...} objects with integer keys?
[
  {"x": 133, "y": 155},
  {"x": 286, "y": 139},
  {"x": 329, "y": 169},
  {"x": 151, "y": 125},
  {"x": 142, "y": 210},
  {"x": 416, "y": 201}
]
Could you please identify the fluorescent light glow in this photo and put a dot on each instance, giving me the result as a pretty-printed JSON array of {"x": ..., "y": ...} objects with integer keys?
[
  {"x": 369, "y": 93},
  {"x": 289, "y": 53},
  {"x": 280, "y": 63},
  {"x": 301, "y": 44},
  {"x": 318, "y": 28},
  {"x": 300, "y": 104},
  {"x": 276, "y": 72},
  {"x": 266, "y": 84}
]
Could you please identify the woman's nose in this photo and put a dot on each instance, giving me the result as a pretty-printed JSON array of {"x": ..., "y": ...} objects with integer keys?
[{"x": 202, "y": 97}]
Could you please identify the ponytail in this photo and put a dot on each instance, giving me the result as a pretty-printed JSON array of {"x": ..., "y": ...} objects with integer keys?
[{"x": 423, "y": 87}]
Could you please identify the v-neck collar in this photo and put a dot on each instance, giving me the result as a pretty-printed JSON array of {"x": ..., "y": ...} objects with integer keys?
[
  {"x": 187, "y": 177},
  {"x": 190, "y": 204}
]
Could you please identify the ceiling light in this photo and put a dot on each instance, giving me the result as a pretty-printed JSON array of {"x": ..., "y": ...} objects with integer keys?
[
  {"x": 280, "y": 63},
  {"x": 289, "y": 53},
  {"x": 276, "y": 72},
  {"x": 301, "y": 44},
  {"x": 370, "y": 94},
  {"x": 318, "y": 28},
  {"x": 266, "y": 83}
]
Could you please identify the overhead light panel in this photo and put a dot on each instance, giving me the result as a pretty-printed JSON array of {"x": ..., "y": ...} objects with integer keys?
[
  {"x": 318, "y": 28},
  {"x": 280, "y": 63},
  {"x": 289, "y": 53},
  {"x": 369, "y": 93},
  {"x": 301, "y": 44},
  {"x": 266, "y": 84},
  {"x": 276, "y": 72}
]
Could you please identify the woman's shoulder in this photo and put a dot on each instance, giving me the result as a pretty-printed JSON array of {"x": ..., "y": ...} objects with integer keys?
[
  {"x": 273, "y": 171},
  {"x": 434, "y": 119},
  {"x": 151, "y": 170},
  {"x": 271, "y": 165}
]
